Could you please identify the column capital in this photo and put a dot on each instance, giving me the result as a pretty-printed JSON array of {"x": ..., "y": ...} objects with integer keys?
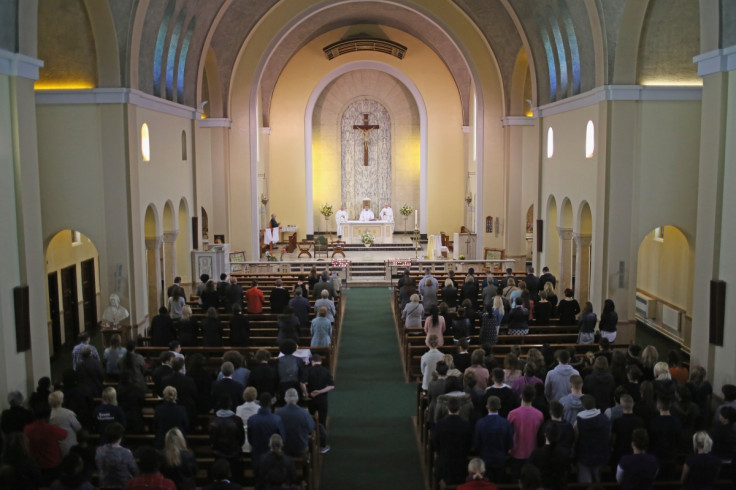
[
  {"x": 154, "y": 242},
  {"x": 170, "y": 236},
  {"x": 582, "y": 240},
  {"x": 565, "y": 233}
]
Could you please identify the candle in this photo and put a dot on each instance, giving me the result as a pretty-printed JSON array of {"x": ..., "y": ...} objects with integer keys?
[{"x": 416, "y": 214}]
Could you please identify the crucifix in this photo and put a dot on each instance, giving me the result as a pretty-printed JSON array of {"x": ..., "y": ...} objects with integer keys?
[{"x": 365, "y": 127}]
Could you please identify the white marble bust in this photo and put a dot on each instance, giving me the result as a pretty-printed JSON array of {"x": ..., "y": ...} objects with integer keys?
[{"x": 114, "y": 314}]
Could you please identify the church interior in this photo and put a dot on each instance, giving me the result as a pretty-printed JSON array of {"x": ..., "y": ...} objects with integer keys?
[{"x": 594, "y": 137}]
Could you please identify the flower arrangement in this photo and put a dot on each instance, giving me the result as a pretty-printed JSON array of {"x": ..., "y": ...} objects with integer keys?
[
  {"x": 326, "y": 210},
  {"x": 367, "y": 238},
  {"x": 461, "y": 257},
  {"x": 406, "y": 210},
  {"x": 270, "y": 257}
]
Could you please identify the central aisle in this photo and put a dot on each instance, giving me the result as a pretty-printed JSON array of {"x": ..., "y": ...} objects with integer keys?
[{"x": 371, "y": 430}]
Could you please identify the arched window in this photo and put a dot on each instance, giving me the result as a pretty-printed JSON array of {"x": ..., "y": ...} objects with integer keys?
[
  {"x": 589, "y": 140},
  {"x": 550, "y": 143},
  {"x": 145, "y": 143},
  {"x": 183, "y": 145}
]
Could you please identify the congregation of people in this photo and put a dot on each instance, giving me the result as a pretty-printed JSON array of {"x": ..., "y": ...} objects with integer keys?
[
  {"x": 554, "y": 416},
  {"x": 71, "y": 432}
]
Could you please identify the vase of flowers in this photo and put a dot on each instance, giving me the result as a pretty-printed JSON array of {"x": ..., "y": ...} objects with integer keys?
[
  {"x": 405, "y": 211},
  {"x": 367, "y": 238},
  {"x": 326, "y": 211}
]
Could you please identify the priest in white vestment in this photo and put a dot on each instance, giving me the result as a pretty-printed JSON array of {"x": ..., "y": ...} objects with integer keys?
[
  {"x": 367, "y": 214},
  {"x": 387, "y": 214},
  {"x": 341, "y": 217}
]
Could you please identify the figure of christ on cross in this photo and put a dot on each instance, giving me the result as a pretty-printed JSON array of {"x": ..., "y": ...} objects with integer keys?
[{"x": 365, "y": 127}]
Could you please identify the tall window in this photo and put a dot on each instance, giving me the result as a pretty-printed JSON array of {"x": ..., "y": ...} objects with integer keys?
[
  {"x": 550, "y": 143},
  {"x": 145, "y": 143},
  {"x": 589, "y": 140}
]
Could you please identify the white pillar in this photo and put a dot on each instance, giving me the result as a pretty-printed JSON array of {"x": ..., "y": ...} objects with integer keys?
[
  {"x": 582, "y": 267},
  {"x": 565, "y": 258},
  {"x": 153, "y": 273},
  {"x": 169, "y": 239}
]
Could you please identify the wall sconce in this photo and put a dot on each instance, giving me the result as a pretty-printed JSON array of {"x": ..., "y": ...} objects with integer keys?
[
  {"x": 469, "y": 198},
  {"x": 264, "y": 199}
]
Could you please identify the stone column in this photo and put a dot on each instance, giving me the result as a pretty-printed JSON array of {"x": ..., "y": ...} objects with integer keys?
[
  {"x": 153, "y": 274},
  {"x": 170, "y": 256},
  {"x": 582, "y": 267},
  {"x": 565, "y": 279}
]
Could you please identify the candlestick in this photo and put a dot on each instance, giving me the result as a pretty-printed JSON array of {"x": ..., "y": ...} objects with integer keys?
[{"x": 416, "y": 215}]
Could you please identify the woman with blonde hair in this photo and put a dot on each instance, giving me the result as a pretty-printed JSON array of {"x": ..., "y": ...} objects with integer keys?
[
  {"x": 451, "y": 369},
  {"x": 510, "y": 287},
  {"x": 549, "y": 288},
  {"x": 664, "y": 385},
  {"x": 702, "y": 468},
  {"x": 64, "y": 418},
  {"x": 477, "y": 476},
  {"x": 413, "y": 312},
  {"x": 649, "y": 357},
  {"x": 188, "y": 328},
  {"x": 167, "y": 416},
  {"x": 321, "y": 329},
  {"x": 108, "y": 412},
  {"x": 246, "y": 411},
  {"x": 179, "y": 465},
  {"x": 477, "y": 365}
]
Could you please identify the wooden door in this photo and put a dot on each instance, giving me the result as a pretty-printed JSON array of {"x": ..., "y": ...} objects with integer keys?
[
  {"x": 89, "y": 295},
  {"x": 69, "y": 303},
  {"x": 55, "y": 311}
]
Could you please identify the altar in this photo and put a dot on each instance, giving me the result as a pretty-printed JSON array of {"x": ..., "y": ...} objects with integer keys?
[{"x": 382, "y": 230}]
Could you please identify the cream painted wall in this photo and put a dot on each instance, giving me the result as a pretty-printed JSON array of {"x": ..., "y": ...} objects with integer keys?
[
  {"x": 242, "y": 107},
  {"x": 16, "y": 375},
  {"x": 664, "y": 267},
  {"x": 445, "y": 139}
]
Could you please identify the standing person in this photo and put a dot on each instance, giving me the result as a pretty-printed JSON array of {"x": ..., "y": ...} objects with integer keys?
[
  {"x": 664, "y": 434},
  {"x": 491, "y": 322},
  {"x": 341, "y": 216},
  {"x": 586, "y": 325},
  {"x": 169, "y": 415},
  {"x": 162, "y": 329},
  {"x": 298, "y": 424},
  {"x": 324, "y": 284},
  {"x": 227, "y": 435},
  {"x": 210, "y": 298},
  {"x": 449, "y": 294},
  {"x": 321, "y": 329},
  {"x": 325, "y": 302},
  {"x": 557, "y": 382},
  {"x": 170, "y": 289},
  {"x": 413, "y": 313},
  {"x": 188, "y": 328},
  {"x": 478, "y": 367},
  {"x": 366, "y": 214},
  {"x": 203, "y": 280},
  {"x": 300, "y": 307},
  {"x": 434, "y": 325},
  {"x": 17, "y": 416},
  {"x": 469, "y": 290},
  {"x": 112, "y": 355},
  {"x": 115, "y": 463},
  {"x": 519, "y": 318},
  {"x": 319, "y": 384},
  {"x": 223, "y": 291},
  {"x": 592, "y": 448},
  {"x": 108, "y": 412},
  {"x": 386, "y": 214},
  {"x": 572, "y": 402},
  {"x": 180, "y": 465},
  {"x": 429, "y": 361},
  {"x": 451, "y": 438},
  {"x": 525, "y": 422},
  {"x": 493, "y": 438},
  {"x": 254, "y": 299},
  {"x": 542, "y": 310},
  {"x": 235, "y": 294},
  {"x": 239, "y": 328},
  {"x": 701, "y": 469},
  {"x": 279, "y": 297},
  {"x": 568, "y": 308},
  {"x": 44, "y": 441},
  {"x": 275, "y": 469},
  {"x": 77, "y": 350},
  {"x": 609, "y": 320},
  {"x": 546, "y": 277},
  {"x": 263, "y": 377},
  {"x": 532, "y": 283},
  {"x": 211, "y": 329},
  {"x": 262, "y": 426},
  {"x": 637, "y": 470},
  {"x": 176, "y": 303}
]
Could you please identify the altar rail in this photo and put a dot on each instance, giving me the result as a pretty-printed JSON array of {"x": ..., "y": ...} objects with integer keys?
[{"x": 394, "y": 268}]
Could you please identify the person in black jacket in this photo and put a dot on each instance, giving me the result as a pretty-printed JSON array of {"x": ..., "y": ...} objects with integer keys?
[
  {"x": 211, "y": 329},
  {"x": 162, "y": 328},
  {"x": 279, "y": 297},
  {"x": 275, "y": 469},
  {"x": 263, "y": 376},
  {"x": 451, "y": 438},
  {"x": 227, "y": 435},
  {"x": 16, "y": 417},
  {"x": 239, "y": 328},
  {"x": 167, "y": 416}
]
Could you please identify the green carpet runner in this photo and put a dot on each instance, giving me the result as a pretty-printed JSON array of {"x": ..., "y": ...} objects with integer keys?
[{"x": 370, "y": 427}]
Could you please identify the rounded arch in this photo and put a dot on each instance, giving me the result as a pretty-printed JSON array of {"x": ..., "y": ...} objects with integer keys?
[
  {"x": 151, "y": 222},
  {"x": 170, "y": 224},
  {"x": 72, "y": 269},
  {"x": 627, "y": 45},
  {"x": 584, "y": 219},
  {"x": 552, "y": 249},
  {"x": 671, "y": 286},
  {"x": 106, "y": 44},
  {"x": 308, "y": 116},
  {"x": 566, "y": 214},
  {"x": 209, "y": 95}
]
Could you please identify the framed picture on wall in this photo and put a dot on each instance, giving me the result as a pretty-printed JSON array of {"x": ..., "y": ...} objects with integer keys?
[
  {"x": 491, "y": 255},
  {"x": 235, "y": 258}
]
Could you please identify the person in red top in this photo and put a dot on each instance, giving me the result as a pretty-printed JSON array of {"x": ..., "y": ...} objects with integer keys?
[
  {"x": 476, "y": 477},
  {"x": 43, "y": 443},
  {"x": 254, "y": 298},
  {"x": 150, "y": 478}
]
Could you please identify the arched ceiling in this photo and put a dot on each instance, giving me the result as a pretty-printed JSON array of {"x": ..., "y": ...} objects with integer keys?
[{"x": 571, "y": 45}]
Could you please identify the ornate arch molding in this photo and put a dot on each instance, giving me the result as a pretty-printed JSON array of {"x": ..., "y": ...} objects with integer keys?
[
  {"x": 323, "y": 18},
  {"x": 106, "y": 44},
  {"x": 627, "y": 45}
]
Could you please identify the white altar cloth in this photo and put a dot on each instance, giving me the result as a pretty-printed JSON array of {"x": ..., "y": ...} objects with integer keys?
[{"x": 382, "y": 230}]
